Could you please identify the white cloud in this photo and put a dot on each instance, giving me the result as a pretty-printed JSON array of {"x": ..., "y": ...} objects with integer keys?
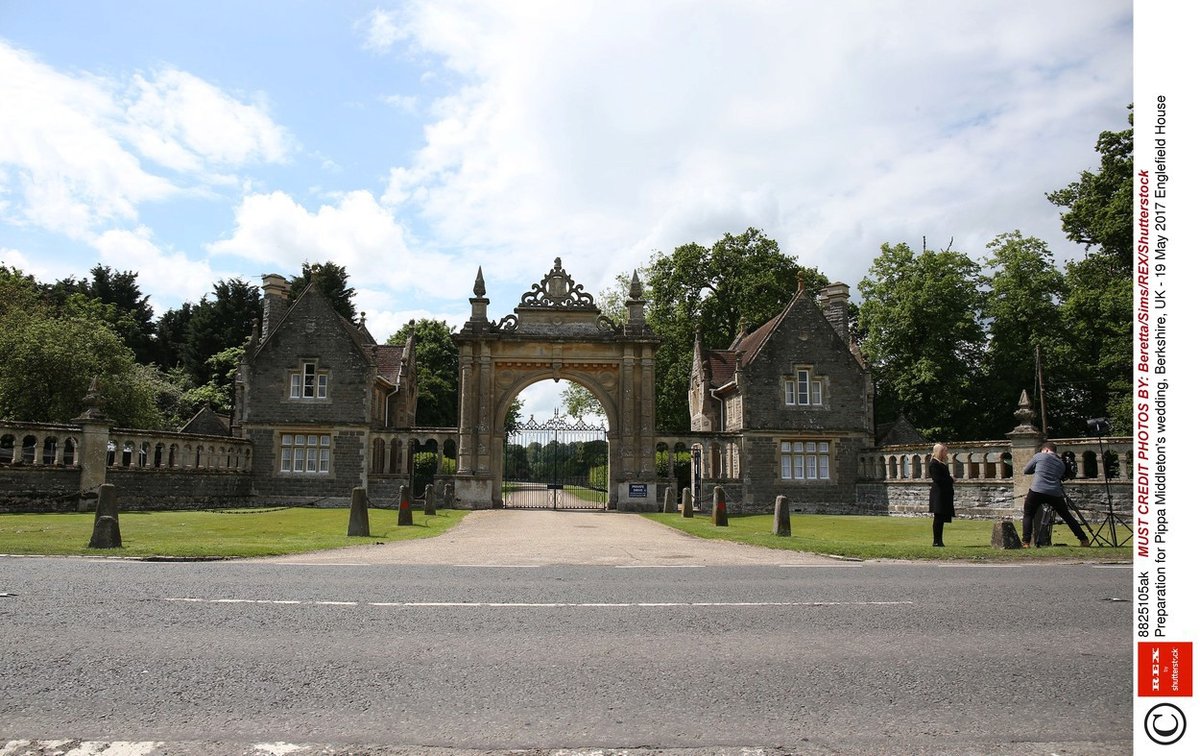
[
  {"x": 171, "y": 277},
  {"x": 184, "y": 123},
  {"x": 382, "y": 29},
  {"x": 68, "y": 170},
  {"x": 601, "y": 132},
  {"x": 80, "y": 150},
  {"x": 354, "y": 231}
]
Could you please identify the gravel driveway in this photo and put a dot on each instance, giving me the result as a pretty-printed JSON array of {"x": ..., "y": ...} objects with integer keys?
[{"x": 538, "y": 537}]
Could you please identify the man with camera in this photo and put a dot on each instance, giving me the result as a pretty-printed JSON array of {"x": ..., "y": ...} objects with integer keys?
[{"x": 1046, "y": 488}]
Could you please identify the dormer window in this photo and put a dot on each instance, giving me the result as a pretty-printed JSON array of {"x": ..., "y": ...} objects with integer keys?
[
  {"x": 309, "y": 383},
  {"x": 803, "y": 389}
]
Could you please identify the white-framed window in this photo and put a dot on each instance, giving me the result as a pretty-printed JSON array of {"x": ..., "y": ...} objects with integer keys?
[
  {"x": 804, "y": 460},
  {"x": 304, "y": 453},
  {"x": 803, "y": 389},
  {"x": 308, "y": 382}
]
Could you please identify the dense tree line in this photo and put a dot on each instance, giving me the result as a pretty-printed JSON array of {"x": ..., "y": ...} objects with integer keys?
[
  {"x": 952, "y": 338},
  {"x": 56, "y": 337}
]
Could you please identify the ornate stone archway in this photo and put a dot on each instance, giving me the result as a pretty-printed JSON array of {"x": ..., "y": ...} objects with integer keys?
[{"x": 556, "y": 332}]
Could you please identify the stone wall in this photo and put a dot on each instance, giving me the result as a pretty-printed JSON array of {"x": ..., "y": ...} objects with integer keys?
[
  {"x": 39, "y": 489},
  {"x": 172, "y": 489}
]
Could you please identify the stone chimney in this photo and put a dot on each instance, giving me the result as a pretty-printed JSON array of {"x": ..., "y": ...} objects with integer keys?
[
  {"x": 275, "y": 296},
  {"x": 834, "y": 301}
]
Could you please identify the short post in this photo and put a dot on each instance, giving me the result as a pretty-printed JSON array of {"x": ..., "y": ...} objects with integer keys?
[
  {"x": 686, "y": 504},
  {"x": 106, "y": 529},
  {"x": 669, "y": 499},
  {"x": 719, "y": 517},
  {"x": 783, "y": 518},
  {"x": 360, "y": 523},
  {"x": 430, "y": 504},
  {"x": 1004, "y": 535},
  {"x": 405, "y": 516}
]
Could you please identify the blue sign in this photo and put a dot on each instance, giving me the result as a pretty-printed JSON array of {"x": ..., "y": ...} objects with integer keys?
[{"x": 637, "y": 490}]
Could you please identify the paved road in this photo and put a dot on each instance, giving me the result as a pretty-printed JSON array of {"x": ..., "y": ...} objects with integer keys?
[
  {"x": 539, "y": 537},
  {"x": 395, "y": 657}
]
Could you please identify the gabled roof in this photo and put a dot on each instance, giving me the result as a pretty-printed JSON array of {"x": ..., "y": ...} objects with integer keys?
[
  {"x": 358, "y": 333},
  {"x": 206, "y": 422},
  {"x": 390, "y": 360},
  {"x": 723, "y": 362}
]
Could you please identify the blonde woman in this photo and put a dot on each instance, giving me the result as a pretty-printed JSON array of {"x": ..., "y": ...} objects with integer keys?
[{"x": 941, "y": 493}]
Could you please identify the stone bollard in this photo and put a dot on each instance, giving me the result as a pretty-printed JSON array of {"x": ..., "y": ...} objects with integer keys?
[
  {"x": 360, "y": 523},
  {"x": 719, "y": 516},
  {"x": 783, "y": 518},
  {"x": 669, "y": 500},
  {"x": 430, "y": 503},
  {"x": 686, "y": 504},
  {"x": 447, "y": 498},
  {"x": 405, "y": 516},
  {"x": 1004, "y": 535},
  {"x": 106, "y": 528}
]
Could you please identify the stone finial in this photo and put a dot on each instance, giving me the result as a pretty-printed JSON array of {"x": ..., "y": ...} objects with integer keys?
[
  {"x": 362, "y": 320},
  {"x": 480, "y": 289},
  {"x": 635, "y": 286},
  {"x": 93, "y": 402},
  {"x": 1024, "y": 414},
  {"x": 799, "y": 282},
  {"x": 255, "y": 335}
]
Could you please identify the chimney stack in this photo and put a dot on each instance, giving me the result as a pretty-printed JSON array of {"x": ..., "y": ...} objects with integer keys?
[
  {"x": 834, "y": 301},
  {"x": 275, "y": 296}
]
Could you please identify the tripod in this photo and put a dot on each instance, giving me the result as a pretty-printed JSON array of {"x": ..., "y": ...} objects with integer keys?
[
  {"x": 1111, "y": 520},
  {"x": 1045, "y": 523}
]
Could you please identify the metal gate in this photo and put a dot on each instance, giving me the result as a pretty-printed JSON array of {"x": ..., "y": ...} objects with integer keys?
[{"x": 557, "y": 464}]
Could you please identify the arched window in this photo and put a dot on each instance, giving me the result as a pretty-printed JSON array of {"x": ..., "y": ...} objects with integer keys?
[
  {"x": 69, "y": 452},
  {"x": 49, "y": 450},
  {"x": 29, "y": 449},
  {"x": 6, "y": 448}
]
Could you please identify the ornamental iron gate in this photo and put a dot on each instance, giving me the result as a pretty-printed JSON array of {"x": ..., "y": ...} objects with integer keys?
[{"x": 557, "y": 464}]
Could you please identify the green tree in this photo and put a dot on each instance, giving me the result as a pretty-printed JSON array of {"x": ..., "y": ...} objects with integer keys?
[
  {"x": 48, "y": 362},
  {"x": 333, "y": 281},
  {"x": 1098, "y": 308},
  {"x": 924, "y": 339},
  {"x": 1021, "y": 306},
  {"x": 741, "y": 281},
  {"x": 437, "y": 370},
  {"x": 1098, "y": 207},
  {"x": 217, "y": 324},
  {"x": 128, "y": 313}
]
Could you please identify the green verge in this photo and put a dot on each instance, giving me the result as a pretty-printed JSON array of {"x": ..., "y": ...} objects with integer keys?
[
  {"x": 214, "y": 533},
  {"x": 864, "y": 537}
]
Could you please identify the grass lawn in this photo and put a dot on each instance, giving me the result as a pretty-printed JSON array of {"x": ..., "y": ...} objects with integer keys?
[
  {"x": 864, "y": 537},
  {"x": 220, "y": 533}
]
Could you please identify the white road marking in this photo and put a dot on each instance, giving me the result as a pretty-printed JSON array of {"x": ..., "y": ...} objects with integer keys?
[{"x": 546, "y": 604}]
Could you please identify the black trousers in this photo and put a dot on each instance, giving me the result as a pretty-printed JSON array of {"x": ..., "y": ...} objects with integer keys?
[
  {"x": 939, "y": 522},
  {"x": 1033, "y": 504}
]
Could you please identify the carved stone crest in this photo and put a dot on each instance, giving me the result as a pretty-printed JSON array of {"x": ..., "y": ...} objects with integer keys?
[{"x": 558, "y": 289}]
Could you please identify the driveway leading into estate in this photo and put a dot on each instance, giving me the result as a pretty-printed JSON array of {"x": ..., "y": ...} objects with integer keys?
[{"x": 504, "y": 537}]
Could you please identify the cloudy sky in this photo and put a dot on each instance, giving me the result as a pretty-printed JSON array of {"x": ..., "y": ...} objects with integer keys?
[{"x": 413, "y": 142}]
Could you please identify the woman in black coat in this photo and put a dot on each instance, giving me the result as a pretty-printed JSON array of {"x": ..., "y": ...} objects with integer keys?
[{"x": 941, "y": 493}]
